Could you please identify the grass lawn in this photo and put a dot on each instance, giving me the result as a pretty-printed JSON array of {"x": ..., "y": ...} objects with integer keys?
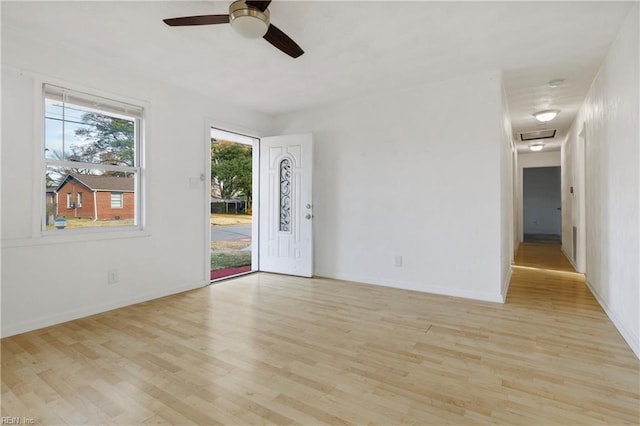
[
  {"x": 230, "y": 219},
  {"x": 229, "y": 259},
  {"x": 230, "y": 254},
  {"x": 74, "y": 223}
]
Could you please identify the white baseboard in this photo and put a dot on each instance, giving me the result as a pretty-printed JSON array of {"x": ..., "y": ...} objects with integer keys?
[
  {"x": 37, "y": 323},
  {"x": 575, "y": 267},
  {"x": 444, "y": 291},
  {"x": 631, "y": 338}
]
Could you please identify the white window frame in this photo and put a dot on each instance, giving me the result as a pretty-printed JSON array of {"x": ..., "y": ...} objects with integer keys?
[
  {"x": 110, "y": 105},
  {"x": 69, "y": 199},
  {"x": 79, "y": 197}
]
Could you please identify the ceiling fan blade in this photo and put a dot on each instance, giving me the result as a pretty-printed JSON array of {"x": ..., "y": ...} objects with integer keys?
[
  {"x": 260, "y": 5},
  {"x": 197, "y": 20},
  {"x": 282, "y": 41}
]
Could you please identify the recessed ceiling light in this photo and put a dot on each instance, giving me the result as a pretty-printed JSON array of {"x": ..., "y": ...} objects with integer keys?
[
  {"x": 536, "y": 146},
  {"x": 556, "y": 82},
  {"x": 546, "y": 115}
]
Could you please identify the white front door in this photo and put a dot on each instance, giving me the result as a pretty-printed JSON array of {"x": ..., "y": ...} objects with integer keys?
[{"x": 286, "y": 207}]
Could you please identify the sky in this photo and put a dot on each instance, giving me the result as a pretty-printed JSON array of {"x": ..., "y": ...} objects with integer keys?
[{"x": 59, "y": 133}]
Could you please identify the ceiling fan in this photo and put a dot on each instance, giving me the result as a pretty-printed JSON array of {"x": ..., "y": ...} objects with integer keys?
[{"x": 248, "y": 18}]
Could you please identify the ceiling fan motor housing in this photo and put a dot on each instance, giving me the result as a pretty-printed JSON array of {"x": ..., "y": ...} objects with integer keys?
[{"x": 248, "y": 21}]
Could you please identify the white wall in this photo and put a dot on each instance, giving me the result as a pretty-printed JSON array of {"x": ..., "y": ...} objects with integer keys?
[
  {"x": 507, "y": 210},
  {"x": 610, "y": 116},
  {"x": 170, "y": 257},
  {"x": 573, "y": 203},
  {"x": 413, "y": 173}
]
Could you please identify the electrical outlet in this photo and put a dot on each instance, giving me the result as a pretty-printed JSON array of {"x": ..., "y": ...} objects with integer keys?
[
  {"x": 398, "y": 261},
  {"x": 112, "y": 276}
]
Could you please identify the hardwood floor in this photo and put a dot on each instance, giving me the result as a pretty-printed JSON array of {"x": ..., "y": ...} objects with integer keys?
[
  {"x": 542, "y": 255},
  {"x": 280, "y": 350}
]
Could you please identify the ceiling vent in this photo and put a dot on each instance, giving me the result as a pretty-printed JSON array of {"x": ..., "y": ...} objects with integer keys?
[{"x": 537, "y": 134}]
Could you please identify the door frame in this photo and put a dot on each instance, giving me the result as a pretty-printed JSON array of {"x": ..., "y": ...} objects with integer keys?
[
  {"x": 523, "y": 195},
  {"x": 241, "y": 131},
  {"x": 581, "y": 205},
  {"x": 540, "y": 160}
]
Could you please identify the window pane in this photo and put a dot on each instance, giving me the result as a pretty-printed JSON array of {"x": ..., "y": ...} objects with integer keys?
[
  {"x": 78, "y": 133},
  {"x": 116, "y": 200},
  {"x": 84, "y": 198}
]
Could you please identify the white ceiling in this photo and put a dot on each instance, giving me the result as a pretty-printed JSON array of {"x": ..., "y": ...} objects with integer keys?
[{"x": 352, "y": 48}]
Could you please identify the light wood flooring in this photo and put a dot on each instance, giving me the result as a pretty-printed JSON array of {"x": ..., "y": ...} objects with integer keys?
[
  {"x": 281, "y": 350},
  {"x": 542, "y": 256}
]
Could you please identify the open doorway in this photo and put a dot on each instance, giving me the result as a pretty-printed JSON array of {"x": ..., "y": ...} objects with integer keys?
[
  {"x": 542, "y": 220},
  {"x": 233, "y": 247}
]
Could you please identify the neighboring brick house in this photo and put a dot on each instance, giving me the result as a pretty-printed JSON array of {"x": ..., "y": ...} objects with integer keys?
[{"x": 96, "y": 197}]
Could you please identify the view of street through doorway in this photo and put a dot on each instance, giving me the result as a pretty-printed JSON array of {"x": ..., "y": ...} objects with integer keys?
[{"x": 233, "y": 248}]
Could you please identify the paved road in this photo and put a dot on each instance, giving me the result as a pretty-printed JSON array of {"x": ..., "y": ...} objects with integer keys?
[{"x": 224, "y": 233}]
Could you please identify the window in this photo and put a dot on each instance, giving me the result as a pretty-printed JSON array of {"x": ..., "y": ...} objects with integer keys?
[
  {"x": 92, "y": 145},
  {"x": 285, "y": 195},
  {"x": 116, "y": 200}
]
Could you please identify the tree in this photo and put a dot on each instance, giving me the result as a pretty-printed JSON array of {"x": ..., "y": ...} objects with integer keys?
[
  {"x": 105, "y": 140},
  {"x": 55, "y": 176},
  {"x": 231, "y": 165},
  {"x": 110, "y": 140}
]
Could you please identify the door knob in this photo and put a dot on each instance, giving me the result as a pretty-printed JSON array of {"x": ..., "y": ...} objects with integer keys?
[{"x": 308, "y": 216}]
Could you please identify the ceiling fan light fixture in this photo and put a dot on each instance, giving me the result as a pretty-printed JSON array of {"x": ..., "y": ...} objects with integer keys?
[
  {"x": 247, "y": 21},
  {"x": 536, "y": 146},
  {"x": 546, "y": 115}
]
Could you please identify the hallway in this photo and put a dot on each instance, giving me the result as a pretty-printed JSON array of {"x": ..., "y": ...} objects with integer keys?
[{"x": 542, "y": 255}]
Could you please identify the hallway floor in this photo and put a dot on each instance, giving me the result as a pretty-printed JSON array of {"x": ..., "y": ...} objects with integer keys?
[{"x": 542, "y": 255}]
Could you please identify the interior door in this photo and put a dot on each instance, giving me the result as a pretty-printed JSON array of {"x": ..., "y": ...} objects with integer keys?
[
  {"x": 542, "y": 200},
  {"x": 286, "y": 207}
]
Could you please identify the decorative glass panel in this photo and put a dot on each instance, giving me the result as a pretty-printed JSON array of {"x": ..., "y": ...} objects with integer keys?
[{"x": 285, "y": 195}]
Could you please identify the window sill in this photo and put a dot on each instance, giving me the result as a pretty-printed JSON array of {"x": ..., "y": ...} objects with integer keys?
[{"x": 74, "y": 236}]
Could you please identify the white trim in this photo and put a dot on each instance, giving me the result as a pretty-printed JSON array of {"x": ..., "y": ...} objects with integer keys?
[
  {"x": 95, "y": 205},
  {"x": 506, "y": 282},
  {"x": 255, "y": 205},
  {"x": 245, "y": 135},
  {"x": 39, "y": 220},
  {"x": 94, "y": 166},
  {"x": 216, "y": 132},
  {"x": 632, "y": 339},
  {"x": 77, "y": 235},
  {"x": 37, "y": 323},
  {"x": 541, "y": 161},
  {"x": 421, "y": 287},
  {"x": 92, "y": 102},
  {"x": 207, "y": 196},
  {"x": 571, "y": 261},
  {"x": 141, "y": 124}
]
